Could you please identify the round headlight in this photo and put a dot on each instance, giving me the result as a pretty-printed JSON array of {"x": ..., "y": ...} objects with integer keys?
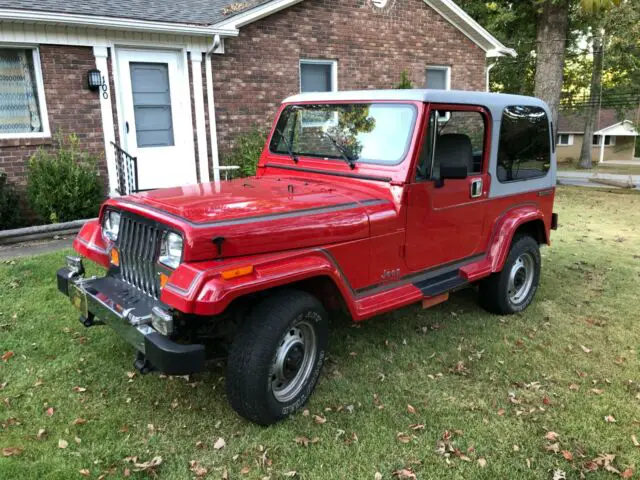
[
  {"x": 171, "y": 250},
  {"x": 111, "y": 225}
]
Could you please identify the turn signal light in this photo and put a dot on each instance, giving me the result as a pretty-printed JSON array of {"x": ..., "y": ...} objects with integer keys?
[
  {"x": 115, "y": 257},
  {"x": 163, "y": 280},
  {"x": 237, "y": 272}
]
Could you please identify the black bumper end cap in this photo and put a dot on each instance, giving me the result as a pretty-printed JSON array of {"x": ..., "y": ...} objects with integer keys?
[
  {"x": 173, "y": 358},
  {"x": 64, "y": 276}
]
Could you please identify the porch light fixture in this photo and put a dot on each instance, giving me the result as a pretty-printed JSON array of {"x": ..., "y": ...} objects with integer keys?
[{"x": 94, "y": 80}]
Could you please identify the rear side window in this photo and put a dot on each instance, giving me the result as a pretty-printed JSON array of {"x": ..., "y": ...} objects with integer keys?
[{"x": 524, "y": 152}]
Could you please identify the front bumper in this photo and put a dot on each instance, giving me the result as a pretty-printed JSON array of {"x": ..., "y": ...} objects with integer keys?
[{"x": 108, "y": 300}]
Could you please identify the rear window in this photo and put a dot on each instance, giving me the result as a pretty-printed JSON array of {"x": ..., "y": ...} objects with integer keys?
[{"x": 524, "y": 151}]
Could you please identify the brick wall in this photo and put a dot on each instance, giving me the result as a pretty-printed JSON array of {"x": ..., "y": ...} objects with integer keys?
[
  {"x": 72, "y": 108},
  {"x": 372, "y": 46}
]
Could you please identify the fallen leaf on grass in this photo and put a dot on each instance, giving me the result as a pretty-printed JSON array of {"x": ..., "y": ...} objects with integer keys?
[
  {"x": 585, "y": 349},
  {"x": 559, "y": 475},
  {"x": 554, "y": 447},
  {"x": 411, "y": 409},
  {"x": 38, "y": 383},
  {"x": 482, "y": 462},
  {"x": 634, "y": 439},
  {"x": 404, "y": 474},
  {"x": 246, "y": 469},
  {"x": 63, "y": 443},
  {"x": 597, "y": 391},
  {"x": 290, "y": 474},
  {"x": 628, "y": 473},
  {"x": 568, "y": 456},
  {"x": 319, "y": 419},
  {"x": 149, "y": 466},
  {"x": 304, "y": 441},
  {"x": 50, "y": 411},
  {"x": 220, "y": 443},
  {"x": 42, "y": 433},
  {"x": 79, "y": 389},
  {"x": 403, "y": 437},
  {"x": 197, "y": 469},
  {"x": 610, "y": 419},
  {"x": 574, "y": 387},
  {"x": 417, "y": 426},
  {"x": 551, "y": 436},
  {"x": 84, "y": 472},
  {"x": 79, "y": 421},
  {"x": 501, "y": 412},
  {"x": 377, "y": 476},
  {"x": 11, "y": 451},
  {"x": 7, "y": 355}
]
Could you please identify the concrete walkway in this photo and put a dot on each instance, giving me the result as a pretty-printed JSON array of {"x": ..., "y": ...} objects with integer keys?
[{"x": 36, "y": 247}]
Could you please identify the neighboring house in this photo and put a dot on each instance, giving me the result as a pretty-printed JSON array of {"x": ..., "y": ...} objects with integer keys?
[
  {"x": 173, "y": 83},
  {"x": 614, "y": 137}
]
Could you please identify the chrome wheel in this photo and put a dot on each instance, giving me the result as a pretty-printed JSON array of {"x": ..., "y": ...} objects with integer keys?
[
  {"x": 521, "y": 278},
  {"x": 293, "y": 362}
]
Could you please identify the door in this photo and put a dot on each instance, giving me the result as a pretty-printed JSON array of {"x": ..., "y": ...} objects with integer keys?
[
  {"x": 445, "y": 217},
  {"x": 157, "y": 125}
]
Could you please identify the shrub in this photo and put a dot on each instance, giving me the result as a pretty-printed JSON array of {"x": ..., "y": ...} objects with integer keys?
[
  {"x": 64, "y": 184},
  {"x": 405, "y": 81},
  {"x": 246, "y": 152},
  {"x": 9, "y": 212}
]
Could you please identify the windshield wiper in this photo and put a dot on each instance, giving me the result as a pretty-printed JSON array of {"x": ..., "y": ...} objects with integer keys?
[
  {"x": 343, "y": 151},
  {"x": 293, "y": 156}
]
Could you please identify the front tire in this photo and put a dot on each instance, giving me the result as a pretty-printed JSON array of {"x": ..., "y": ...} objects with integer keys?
[
  {"x": 275, "y": 360},
  {"x": 513, "y": 289}
]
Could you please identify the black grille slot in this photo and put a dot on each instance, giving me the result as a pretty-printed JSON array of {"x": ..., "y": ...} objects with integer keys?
[{"x": 138, "y": 241}]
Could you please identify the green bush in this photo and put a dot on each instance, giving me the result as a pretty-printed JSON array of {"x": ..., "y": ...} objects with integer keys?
[
  {"x": 64, "y": 184},
  {"x": 405, "y": 81},
  {"x": 9, "y": 212},
  {"x": 246, "y": 152}
]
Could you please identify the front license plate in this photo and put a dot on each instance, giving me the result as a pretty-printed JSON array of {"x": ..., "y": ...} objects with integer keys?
[{"x": 79, "y": 300}]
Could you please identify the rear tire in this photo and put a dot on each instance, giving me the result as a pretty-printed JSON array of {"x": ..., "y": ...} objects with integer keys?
[
  {"x": 275, "y": 359},
  {"x": 513, "y": 289}
]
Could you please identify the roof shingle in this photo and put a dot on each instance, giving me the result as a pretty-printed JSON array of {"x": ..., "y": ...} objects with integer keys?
[{"x": 573, "y": 122}]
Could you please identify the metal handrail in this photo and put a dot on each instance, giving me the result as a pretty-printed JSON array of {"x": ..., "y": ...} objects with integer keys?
[{"x": 126, "y": 171}]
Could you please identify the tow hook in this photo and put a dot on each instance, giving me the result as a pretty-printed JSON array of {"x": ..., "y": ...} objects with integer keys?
[{"x": 142, "y": 364}]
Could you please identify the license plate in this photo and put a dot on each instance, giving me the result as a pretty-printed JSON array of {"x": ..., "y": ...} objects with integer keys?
[{"x": 79, "y": 300}]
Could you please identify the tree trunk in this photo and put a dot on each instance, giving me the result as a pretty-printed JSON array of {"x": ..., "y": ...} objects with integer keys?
[
  {"x": 552, "y": 24},
  {"x": 586, "y": 160}
]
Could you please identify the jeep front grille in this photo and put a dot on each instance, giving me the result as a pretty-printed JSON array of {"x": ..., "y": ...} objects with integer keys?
[{"x": 138, "y": 247}]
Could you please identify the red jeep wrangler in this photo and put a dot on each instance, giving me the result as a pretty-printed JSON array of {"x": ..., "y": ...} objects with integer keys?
[{"x": 369, "y": 201}]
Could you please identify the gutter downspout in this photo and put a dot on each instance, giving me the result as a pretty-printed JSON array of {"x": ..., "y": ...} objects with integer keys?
[{"x": 488, "y": 73}]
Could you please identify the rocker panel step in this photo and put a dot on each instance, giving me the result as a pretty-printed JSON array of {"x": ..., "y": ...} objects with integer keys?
[{"x": 441, "y": 284}]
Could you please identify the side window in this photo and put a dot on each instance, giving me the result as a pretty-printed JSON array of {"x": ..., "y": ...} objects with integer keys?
[
  {"x": 525, "y": 144},
  {"x": 453, "y": 138}
]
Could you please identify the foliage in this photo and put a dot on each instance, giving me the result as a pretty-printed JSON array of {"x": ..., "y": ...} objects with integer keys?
[
  {"x": 9, "y": 211},
  {"x": 64, "y": 183},
  {"x": 405, "y": 81},
  {"x": 246, "y": 152},
  {"x": 488, "y": 387}
]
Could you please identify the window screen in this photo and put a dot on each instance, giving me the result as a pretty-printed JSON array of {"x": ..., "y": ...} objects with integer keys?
[
  {"x": 315, "y": 77},
  {"x": 19, "y": 103},
  {"x": 524, "y": 151},
  {"x": 436, "y": 78}
]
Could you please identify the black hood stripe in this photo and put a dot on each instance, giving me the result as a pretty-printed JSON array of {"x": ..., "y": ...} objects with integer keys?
[{"x": 264, "y": 218}]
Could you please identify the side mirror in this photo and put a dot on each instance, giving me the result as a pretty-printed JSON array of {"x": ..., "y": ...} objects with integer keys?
[{"x": 452, "y": 172}]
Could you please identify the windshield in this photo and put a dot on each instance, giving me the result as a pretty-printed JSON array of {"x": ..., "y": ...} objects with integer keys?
[{"x": 360, "y": 132}]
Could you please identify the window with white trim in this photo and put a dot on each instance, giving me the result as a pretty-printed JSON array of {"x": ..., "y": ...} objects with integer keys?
[
  {"x": 318, "y": 76},
  {"x": 608, "y": 140},
  {"x": 23, "y": 111},
  {"x": 437, "y": 78},
  {"x": 565, "y": 139}
]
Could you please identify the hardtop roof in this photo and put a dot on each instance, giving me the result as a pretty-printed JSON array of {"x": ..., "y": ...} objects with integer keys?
[{"x": 485, "y": 99}]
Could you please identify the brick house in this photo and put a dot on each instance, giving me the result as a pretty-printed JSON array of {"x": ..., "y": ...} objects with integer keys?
[{"x": 175, "y": 82}]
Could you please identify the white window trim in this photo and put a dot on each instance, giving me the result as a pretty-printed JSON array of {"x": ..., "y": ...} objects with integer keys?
[
  {"x": 446, "y": 68},
  {"x": 569, "y": 140},
  {"x": 612, "y": 141},
  {"x": 42, "y": 102},
  {"x": 334, "y": 71}
]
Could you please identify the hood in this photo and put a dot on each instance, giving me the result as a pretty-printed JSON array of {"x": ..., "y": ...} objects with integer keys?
[{"x": 260, "y": 215}]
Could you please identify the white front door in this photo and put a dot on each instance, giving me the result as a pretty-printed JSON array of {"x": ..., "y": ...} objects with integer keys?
[{"x": 155, "y": 104}]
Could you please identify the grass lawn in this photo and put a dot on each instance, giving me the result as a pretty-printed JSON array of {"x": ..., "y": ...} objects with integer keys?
[
  {"x": 485, "y": 390},
  {"x": 601, "y": 168}
]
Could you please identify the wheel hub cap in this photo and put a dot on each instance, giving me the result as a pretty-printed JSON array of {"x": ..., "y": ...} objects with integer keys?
[
  {"x": 293, "y": 361},
  {"x": 521, "y": 278}
]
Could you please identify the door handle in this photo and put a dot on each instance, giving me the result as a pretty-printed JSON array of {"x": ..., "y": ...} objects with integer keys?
[{"x": 476, "y": 188}]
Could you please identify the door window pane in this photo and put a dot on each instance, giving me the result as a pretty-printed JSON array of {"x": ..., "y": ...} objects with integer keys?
[
  {"x": 525, "y": 144},
  {"x": 152, "y": 104},
  {"x": 436, "y": 78},
  {"x": 19, "y": 103},
  {"x": 315, "y": 77}
]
